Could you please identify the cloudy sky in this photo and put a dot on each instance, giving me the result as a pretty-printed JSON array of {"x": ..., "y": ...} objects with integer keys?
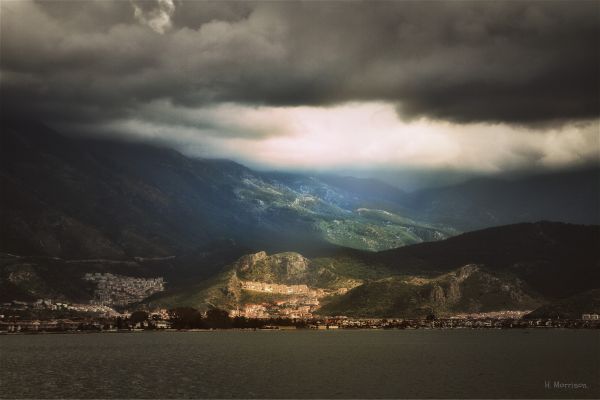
[{"x": 484, "y": 87}]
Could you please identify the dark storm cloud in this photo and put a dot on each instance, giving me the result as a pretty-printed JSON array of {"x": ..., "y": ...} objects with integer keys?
[{"x": 511, "y": 62}]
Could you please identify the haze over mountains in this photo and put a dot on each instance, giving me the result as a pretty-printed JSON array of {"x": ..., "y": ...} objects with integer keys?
[
  {"x": 71, "y": 206},
  {"x": 78, "y": 198}
]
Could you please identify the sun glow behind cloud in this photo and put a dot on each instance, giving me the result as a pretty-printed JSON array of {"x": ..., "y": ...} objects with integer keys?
[
  {"x": 353, "y": 135},
  {"x": 357, "y": 136},
  {"x": 455, "y": 86}
]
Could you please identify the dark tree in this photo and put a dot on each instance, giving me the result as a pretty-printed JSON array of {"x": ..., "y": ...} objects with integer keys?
[
  {"x": 138, "y": 317},
  {"x": 240, "y": 322},
  {"x": 217, "y": 318},
  {"x": 431, "y": 317},
  {"x": 185, "y": 318}
]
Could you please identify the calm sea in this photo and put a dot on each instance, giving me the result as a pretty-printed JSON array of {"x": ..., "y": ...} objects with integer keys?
[{"x": 302, "y": 364}]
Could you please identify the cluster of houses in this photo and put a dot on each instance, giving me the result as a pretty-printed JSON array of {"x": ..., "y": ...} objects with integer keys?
[
  {"x": 294, "y": 306},
  {"x": 50, "y": 316},
  {"x": 590, "y": 317},
  {"x": 505, "y": 314},
  {"x": 58, "y": 325},
  {"x": 116, "y": 324},
  {"x": 302, "y": 290},
  {"x": 298, "y": 302},
  {"x": 458, "y": 323},
  {"x": 17, "y": 317},
  {"x": 119, "y": 290},
  {"x": 254, "y": 311},
  {"x": 51, "y": 305},
  {"x": 292, "y": 309}
]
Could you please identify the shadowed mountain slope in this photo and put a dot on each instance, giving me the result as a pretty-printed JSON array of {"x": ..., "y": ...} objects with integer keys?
[
  {"x": 567, "y": 196},
  {"x": 76, "y": 198},
  {"x": 570, "y": 308},
  {"x": 556, "y": 259}
]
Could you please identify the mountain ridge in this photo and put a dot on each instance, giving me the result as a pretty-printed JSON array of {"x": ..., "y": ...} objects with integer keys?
[
  {"x": 91, "y": 197},
  {"x": 375, "y": 285}
]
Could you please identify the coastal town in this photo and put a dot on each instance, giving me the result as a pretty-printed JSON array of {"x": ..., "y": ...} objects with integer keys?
[
  {"x": 46, "y": 316},
  {"x": 118, "y": 304}
]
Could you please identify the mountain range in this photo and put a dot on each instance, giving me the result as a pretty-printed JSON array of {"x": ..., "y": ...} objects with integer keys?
[
  {"x": 219, "y": 232},
  {"x": 69, "y": 197},
  {"x": 516, "y": 267}
]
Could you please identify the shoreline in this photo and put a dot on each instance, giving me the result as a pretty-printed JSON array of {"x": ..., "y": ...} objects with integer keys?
[{"x": 141, "y": 331}]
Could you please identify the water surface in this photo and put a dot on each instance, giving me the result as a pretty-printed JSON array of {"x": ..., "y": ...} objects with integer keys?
[{"x": 302, "y": 364}]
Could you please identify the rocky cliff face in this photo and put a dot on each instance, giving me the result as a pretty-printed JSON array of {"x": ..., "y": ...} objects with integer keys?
[
  {"x": 248, "y": 261},
  {"x": 472, "y": 288},
  {"x": 257, "y": 285},
  {"x": 468, "y": 289},
  {"x": 283, "y": 268},
  {"x": 446, "y": 290}
]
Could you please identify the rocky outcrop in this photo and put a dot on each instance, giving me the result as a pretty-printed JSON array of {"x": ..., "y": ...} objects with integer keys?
[
  {"x": 293, "y": 264},
  {"x": 282, "y": 268},
  {"x": 446, "y": 289},
  {"x": 246, "y": 262},
  {"x": 282, "y": 284},
  {"x": 472, "y": 288}
]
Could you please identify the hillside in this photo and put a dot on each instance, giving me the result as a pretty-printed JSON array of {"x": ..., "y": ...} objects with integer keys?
[
  {"x": 82, "y": 198},
  {"x": 467, "y": 289},
  {"x": 287, "y": 284},
  {"x": 570, "y": 308},
  {"x": 85, "y": 198},
  {"x": 28, "y": 278},
  {"x": 555, "y": 259},
  {"x": 568, "y": 196},
  {"x": 517, "y": 267}
]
